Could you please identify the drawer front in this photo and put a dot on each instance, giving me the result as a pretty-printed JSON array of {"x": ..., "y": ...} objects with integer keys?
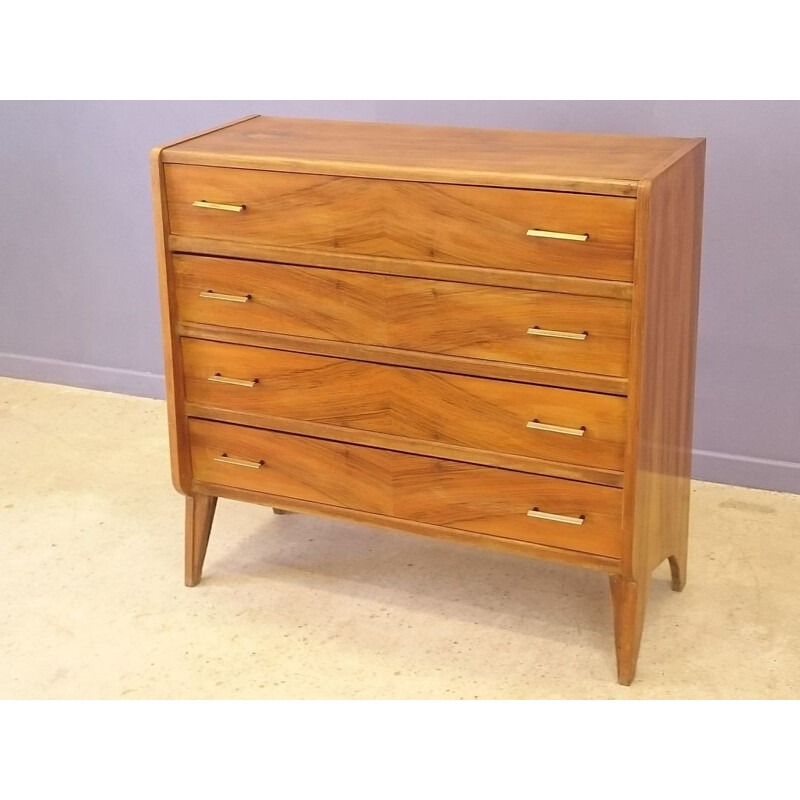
[
  {"x": 479, "y": 413},
  {"x": 472, "y": 225},
  {"x": 457, "y": 319},
  {"x": 447, "y": 493}
]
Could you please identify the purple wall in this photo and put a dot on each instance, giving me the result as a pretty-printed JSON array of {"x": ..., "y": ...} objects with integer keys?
[{"x": 78, "y": 301}]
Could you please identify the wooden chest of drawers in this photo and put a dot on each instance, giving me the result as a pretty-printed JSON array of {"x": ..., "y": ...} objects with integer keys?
[{"x": 485, "y": 336}]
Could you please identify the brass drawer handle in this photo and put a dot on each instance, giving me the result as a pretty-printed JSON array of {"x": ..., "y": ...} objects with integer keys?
[
  {"x": 217, "y": 378},
  {"x": 542, "y": 426},
  {"x": 537, "y": 331},
  {"x": 219, "y": 206},
  {"x": 572, "y": 237},
  {"x": 239, "y": 462},
  {"x": 231, "y": 298},
  {"x": 534, "y": 512}
]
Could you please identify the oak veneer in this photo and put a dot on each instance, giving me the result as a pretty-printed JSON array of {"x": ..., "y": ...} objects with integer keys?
[{"x": 381, "y": 285}]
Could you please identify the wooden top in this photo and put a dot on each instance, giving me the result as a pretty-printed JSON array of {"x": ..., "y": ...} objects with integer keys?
[{"x": 578, "y": 162}]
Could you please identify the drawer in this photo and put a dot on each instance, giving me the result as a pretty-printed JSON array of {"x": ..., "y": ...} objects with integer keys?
[
  {"x": 447, "y": 493},
  {"x": 478, "y": 413},
  {"x": 471, "y": 225},
  {"x": 442, "y": 317}
]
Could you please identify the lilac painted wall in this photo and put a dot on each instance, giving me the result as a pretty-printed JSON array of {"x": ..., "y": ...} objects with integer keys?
[{"x": 78, "y": 300}]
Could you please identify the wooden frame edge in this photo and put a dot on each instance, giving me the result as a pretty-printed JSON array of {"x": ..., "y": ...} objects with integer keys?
[
  {"x": 413, "y": 359},
  {"x": 598, "y": 476},
  {"x": 180, "y": 465},
  {"x": 554, "y": 283}
]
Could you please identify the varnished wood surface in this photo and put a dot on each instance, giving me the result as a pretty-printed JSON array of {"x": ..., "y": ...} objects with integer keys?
[
  {"x": 439, "y": 317},
  {"x": 629, "y": 601},
  {"x": 660, "y": 426},
  {"x": 594, "y": 163},
  {"x": 173, "y": 367},
  {"x": 658, "y": 461},
  {"x": 450, "y": 452},
  {"x": 199, "y": 518},
  {"x": 471, "y": 225},
  {"x": 419, "y": 405},
  {"x": 559, "y": 555},
  {"x": 186, "y": 139},
  {"x": 500, "y": 370},
  {"x": 446, "y": 493},
  {"x": 514, "y": 279},
  {"x": 380, "y": 251}
]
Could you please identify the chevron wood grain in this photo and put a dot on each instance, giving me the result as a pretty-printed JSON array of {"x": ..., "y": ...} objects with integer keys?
[
  {"x": 422, "y": 405},
  {"x": 447, "y": 493},
  {"x": 408, "y": 313},
  {"x": 411, "y": 327},
  {"x": 471, "y": 225}
]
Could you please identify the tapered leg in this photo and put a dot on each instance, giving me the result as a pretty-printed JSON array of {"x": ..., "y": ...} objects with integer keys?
[
  {"x": 199, "y": 516},
  {"x": 677, "y": 566},
  {"x": 281, "y": 511},
  {"x": 628, "y": 598}
]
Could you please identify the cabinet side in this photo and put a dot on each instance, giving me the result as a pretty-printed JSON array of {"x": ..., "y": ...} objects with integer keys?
[
  {"x": 666, "y": 275},
  {"x": 173, "y": 372}
]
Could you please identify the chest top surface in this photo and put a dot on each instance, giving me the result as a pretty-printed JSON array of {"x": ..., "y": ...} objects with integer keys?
[{"x": 579, "y": 162}]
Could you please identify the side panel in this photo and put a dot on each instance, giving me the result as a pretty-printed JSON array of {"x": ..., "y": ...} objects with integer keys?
[{"x": 669, "y": 226}]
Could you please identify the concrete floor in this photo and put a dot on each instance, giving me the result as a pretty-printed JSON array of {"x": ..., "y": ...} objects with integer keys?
[{"x": 92, "y": 603}]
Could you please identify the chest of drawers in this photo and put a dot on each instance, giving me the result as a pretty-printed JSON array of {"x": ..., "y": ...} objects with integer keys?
[{"x": 483, "y": 336}]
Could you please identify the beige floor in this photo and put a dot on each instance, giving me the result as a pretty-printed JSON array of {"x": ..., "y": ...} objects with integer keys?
[{"x": 92, "y": 603}]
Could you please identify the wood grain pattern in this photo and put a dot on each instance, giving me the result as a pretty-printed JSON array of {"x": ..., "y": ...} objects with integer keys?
[
  {"x": 584, "y": 162},
  {"x": 391, "y": 287},
  {"x": 173, "y": 367},
  {"x": 500, "y": 370},
  {"x": 407, "y": 313},
  {"x": 557, "y": 554},
  {"x": 471, "y": 225},
  {"x": 449, "y": 452},
  {"x": 446, "y": 493},
  {"x": 629, "y": 599},
  {"x": 200, "y": 510},
  {"x": 658, "y": 460},
  {"x": 215, "y": 129},
  {"x": 426, "y": 406},
  {"x": 485, "y": 276},
  {"x": 660, "y": 426}
]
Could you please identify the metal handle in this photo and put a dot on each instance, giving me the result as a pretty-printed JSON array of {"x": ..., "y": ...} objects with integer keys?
[
  {"x": 572, "y": 237},
  {"x": 534, "y": 512},
  {"x": 542, "y": 426},
  {"x": 231, "y": 298},
  {"x": 219, "y": 206},
  {"x": 537, "y": 331},
  {"x": 238, "y": 462},
  {"x": 217, "y": 378}
]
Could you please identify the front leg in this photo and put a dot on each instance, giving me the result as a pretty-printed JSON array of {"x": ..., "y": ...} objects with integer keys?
[
  {"x": 199, "y": 516},
  {"x": 629, "y": 599}
]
